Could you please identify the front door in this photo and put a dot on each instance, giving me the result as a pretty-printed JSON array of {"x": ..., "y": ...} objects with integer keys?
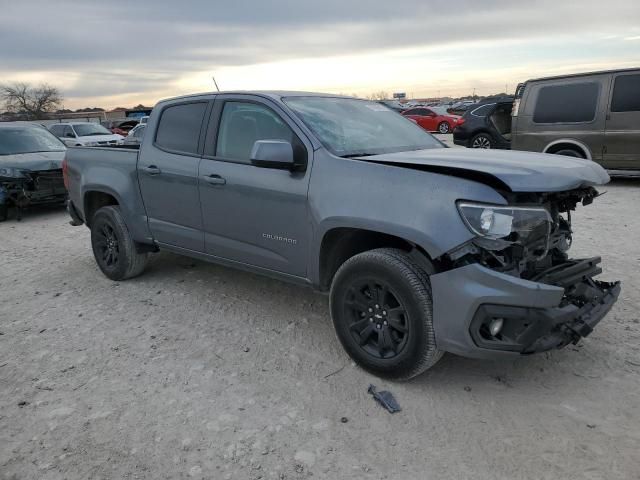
[
  {"x": 252, "y": 215},
  {"x": 622, "y": 134},
  {"x": 168, "y": 176}
]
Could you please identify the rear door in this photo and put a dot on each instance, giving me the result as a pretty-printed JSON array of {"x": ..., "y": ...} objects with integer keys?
[
  {"x": 251, "y": 215},
  {"x": 168, "y": 174},
  {"x": 622, "y": 134}
]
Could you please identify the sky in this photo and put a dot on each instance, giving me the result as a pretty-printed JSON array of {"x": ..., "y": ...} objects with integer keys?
[{"x": 112, "y": 53}]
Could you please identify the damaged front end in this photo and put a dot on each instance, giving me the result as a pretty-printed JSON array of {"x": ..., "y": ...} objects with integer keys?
[
  {"x": 534, "y": 297},
  {"x": 21, "y": 188}
]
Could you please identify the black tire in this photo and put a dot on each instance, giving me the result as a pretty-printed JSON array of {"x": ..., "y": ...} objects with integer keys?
[
  {"x": 570, "y": 152},
  {"x": 113, "y": 248},
  {"x": 444, "y": 128},
  {"x": 482, "y": 140},
  {"x": 365, "y": 291}
]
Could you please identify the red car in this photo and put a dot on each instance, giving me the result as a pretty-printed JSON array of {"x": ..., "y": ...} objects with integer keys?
[{"x": 433, "y": 119}]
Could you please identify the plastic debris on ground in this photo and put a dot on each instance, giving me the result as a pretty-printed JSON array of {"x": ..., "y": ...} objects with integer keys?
[{"x": 385, "y": 398}]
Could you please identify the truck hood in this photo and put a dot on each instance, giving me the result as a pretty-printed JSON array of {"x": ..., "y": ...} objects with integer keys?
[
  {"x": 33, "y": 161},
  {"x": 517, "y": 171}
]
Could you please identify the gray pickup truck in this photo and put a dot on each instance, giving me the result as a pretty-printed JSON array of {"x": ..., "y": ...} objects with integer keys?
[{"x": 423, "y": 249}]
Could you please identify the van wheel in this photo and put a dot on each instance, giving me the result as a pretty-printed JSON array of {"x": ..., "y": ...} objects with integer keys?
[
  {"x": 113, "y": 248},
  {"x": 381, "y": 308},
  {"x": 443, "y": 127},
  {"x": 570, "y": 152},
  {"x": 482, "y": 140}
]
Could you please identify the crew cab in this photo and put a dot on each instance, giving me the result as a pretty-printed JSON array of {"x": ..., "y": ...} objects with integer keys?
[{"x": 422, "y": 249}]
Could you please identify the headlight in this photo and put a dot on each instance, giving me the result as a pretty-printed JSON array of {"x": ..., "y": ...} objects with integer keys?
[
  {"x": 526, "y": 226},
  {"x": 91, "y": 144}
]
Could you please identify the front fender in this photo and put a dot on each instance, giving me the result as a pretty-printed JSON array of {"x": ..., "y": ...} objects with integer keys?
[{"x": 417, "y": 206}]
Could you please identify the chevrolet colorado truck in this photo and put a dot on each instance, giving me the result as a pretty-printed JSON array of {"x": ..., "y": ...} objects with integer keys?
[{"x": 422, "y": 249}]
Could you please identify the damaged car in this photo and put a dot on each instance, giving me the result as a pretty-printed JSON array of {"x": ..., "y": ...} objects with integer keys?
[
  {"x": 422, "y": 249},
  {"x": 30, "y": 168}
]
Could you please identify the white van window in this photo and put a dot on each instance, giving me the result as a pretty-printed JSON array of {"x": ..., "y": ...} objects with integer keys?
[
  {"x": 569, "y": 103},
  {"x": 626, "y": 94}
]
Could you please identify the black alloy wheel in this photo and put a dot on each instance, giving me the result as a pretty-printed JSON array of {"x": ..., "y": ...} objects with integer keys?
[{"x": 378, "y": 321}]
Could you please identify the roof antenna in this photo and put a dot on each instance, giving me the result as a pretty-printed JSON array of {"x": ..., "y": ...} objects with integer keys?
[{"x": 215, "y": 83}]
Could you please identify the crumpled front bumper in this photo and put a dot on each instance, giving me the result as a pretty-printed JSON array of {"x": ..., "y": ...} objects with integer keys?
[{"x": 563, "y": 305}]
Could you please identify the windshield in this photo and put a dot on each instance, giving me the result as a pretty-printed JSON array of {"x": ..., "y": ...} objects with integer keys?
[
  {"x": 350, "y": 127},
  {"x": 27, "y": 139},
  {"x": 87, "y": 129}
]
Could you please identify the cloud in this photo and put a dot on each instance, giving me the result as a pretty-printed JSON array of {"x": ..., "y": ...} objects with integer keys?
[{"x": 106, "y": 49}]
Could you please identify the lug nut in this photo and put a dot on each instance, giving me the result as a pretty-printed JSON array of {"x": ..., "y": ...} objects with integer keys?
[
  {"x": 370, "y": 309},
  {"x": 384, "y": 312},
  {"x": 384, "y": 323},
  {"x": 371, "y": 319},
  {"x": 378, "y": 326}
]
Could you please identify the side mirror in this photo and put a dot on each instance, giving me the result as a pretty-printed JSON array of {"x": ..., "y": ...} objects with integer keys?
[
  {"x": 70, "y": 135},
  {"x": 273, "y": 154}
]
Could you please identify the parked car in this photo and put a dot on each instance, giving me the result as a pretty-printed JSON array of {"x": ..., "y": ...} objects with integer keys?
[
  {"x": 422, "y": 249},
  {"x": 459, "y": 108},
  {"x": 393, "y": 105},
  {"x": 85, "y": 134},
  {"x": 433, "y": 119},
  {"x": 30, "y": 167},
  {"x": 135, "y": 135},
  {"x": 486, "y": 125},
  {"x": 120, "y": 127},
  {"x": 591, "y": 115}
]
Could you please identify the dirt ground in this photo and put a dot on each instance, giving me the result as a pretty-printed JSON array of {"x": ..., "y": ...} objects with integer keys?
[{"x": 198, "y": 371}]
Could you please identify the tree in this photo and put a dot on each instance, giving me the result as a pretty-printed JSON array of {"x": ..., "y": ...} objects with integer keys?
[
  {"x": 32, "y": 102},
  {"x": 381, "y": 95}
]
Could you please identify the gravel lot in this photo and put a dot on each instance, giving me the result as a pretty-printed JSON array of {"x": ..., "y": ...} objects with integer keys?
[{"x": 199, "y": 371}]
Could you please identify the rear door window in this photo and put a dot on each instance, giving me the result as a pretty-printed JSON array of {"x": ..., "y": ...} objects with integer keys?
[
  {"x": 483, "y": 111},
  {"x": 570, "y": 103},
  {"x": 179, "y": 127},
  {"x": 626, "y": 94}
]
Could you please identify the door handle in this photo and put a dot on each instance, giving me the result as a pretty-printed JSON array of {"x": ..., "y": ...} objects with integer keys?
[
  {"x": 152, "y": 170},
  {"x": 214, "y": 179}
]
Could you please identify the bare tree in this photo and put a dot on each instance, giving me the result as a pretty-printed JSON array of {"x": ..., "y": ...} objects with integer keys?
[
  {"x": 32, "y": 102},
  {"x": 381, "y": 95}
]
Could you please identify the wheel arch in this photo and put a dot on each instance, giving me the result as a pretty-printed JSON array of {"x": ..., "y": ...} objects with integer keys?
[
  {"x": 341, "y": 243},
  {"x": 569, "y": 143},
  {"x": 93, "y": 199}
]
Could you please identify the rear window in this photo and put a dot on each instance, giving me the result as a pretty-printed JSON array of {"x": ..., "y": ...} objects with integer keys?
[
  {"x": 484, "y": 110},
  {"x": 626, "y": 94},
  {"x": 572, "y": 103},
  {"x": 179, "y": 127}
]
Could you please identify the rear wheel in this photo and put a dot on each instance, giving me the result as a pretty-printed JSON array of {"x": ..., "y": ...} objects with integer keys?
[
  {"x": 382, "y": 312},
  {"x": 569, "y": 152},
  {"x": 482, "y": 140},
  {"x": 443, "y": 127},
  {"x": 113, "y": 247}
]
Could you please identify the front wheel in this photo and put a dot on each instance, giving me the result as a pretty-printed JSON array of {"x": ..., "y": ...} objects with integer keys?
[
  {"x": 382, "y": 311},
  {"x": 113, "y": 247},
  {"x": 443, "y": 127}
]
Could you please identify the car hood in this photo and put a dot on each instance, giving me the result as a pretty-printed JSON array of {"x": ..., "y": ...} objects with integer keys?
[
  {"x": 517, "y": 171},
  {"x": 33, "y": 161}
]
